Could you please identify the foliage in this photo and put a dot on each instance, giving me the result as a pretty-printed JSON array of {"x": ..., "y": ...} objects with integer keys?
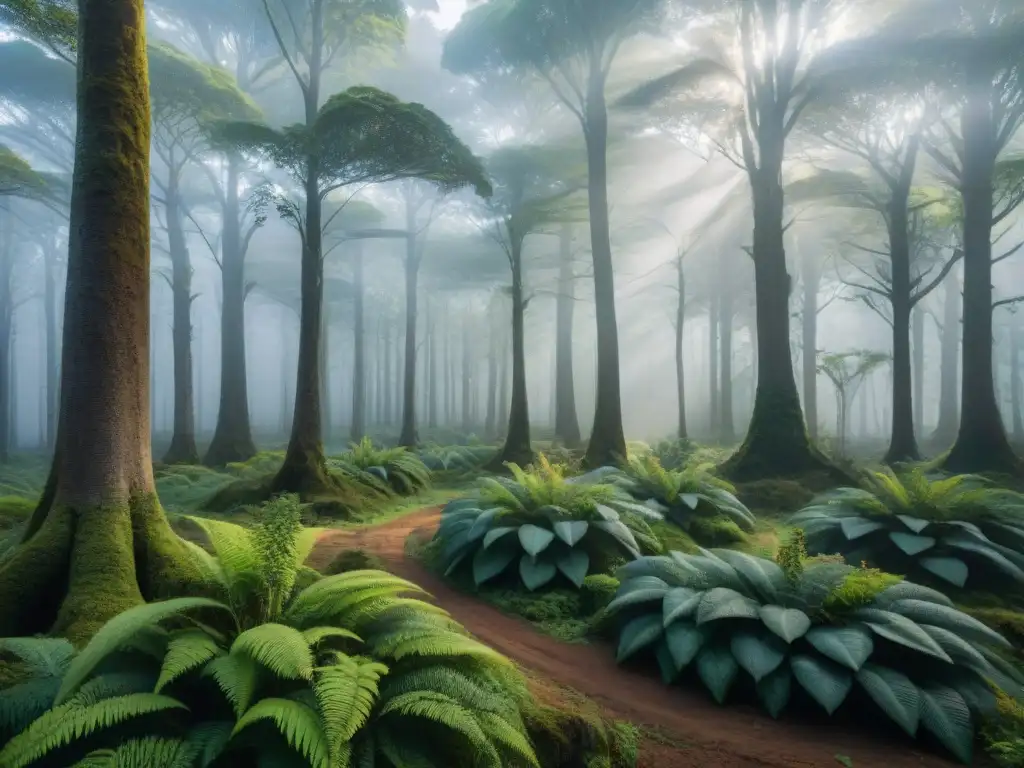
[
  {"x": 1005, "y": 733},
  {"x": 17, "y": 177},
  {"x": 540, "y": 522},
  {"x": 343, "y": 670},
  {"x": 823, "y": 625},
  {"x": 674, "y": 454},
  {"x": 462, "y": 458},
  {"x": 402, "y": 471},
  {"x": 691, "y": 497},
  {"x": 945, "y": 529},
  {"x": 51, "y": 23}
]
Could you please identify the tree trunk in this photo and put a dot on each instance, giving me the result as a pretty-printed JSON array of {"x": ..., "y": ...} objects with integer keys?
[
  {"x": 776, "y": 444},
  {"x": 325, "y": 379},
  {"x": 232, "y": 437},
  {"x": 811, "y": 274},
  {"x": 517, "y": 447},
  {"x": 917, "y": 374},
  {"x": 567, "y": 425},
  {"x": 467, "y": 375},
  {"x": 359, "y": 345},
  {"x": 726, "y": 428},
  {"x": 607, "y": 440},
  {"x": 902, "y": 442},
  {"x": 504, "y": 404},
  {"x": 50, "y": 329},
  {"x": 681, "y": 431},
  {"x": 981, "y": 443},
  {"x": 183, "y": 439},
  {"x": 98, "y": 542},
  {"x": 714, "y": 391},
  {"x": 949, "y": 362},
  {"x": 491, "y": 423},
  {"x": 409, "y": 436}
]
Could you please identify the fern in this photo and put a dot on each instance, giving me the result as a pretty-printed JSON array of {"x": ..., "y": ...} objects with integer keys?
[
  {"x": 70, "y": 722},
  {"x": 186, "y": 651},
  {"x": 299, "y": 724},
  {"x": 149, "y": 752},
  {"x": 445, "y": 711},
  {"x": 278, "y": 647},
  {"x": 346, "y": 692},
  {"x": 236, "y": 676}
]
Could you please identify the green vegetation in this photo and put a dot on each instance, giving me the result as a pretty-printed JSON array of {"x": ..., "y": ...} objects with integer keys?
[
  {"x": 342, "y": 667},
  {"x": 824, "y": 625},
  {"x": 401, "y": 471},
  {"x": 543, "y": 524},
  {"x": 955, "y": 531}
]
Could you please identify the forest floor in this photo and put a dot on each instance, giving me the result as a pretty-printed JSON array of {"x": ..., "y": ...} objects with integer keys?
[{"x": 682, "y": 729}]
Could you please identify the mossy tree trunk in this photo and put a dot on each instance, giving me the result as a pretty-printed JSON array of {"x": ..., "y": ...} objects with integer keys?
[
  {"x": 232, "y": 437},
  {"x": 182, "y": 449},
  {"x": 517, "y": 440},
  {"x": 981, "y": 444},
  {"x": 607, "y": 443},
  {"x": 99, "y": 542},
  {"x": 567, "y": 423}
]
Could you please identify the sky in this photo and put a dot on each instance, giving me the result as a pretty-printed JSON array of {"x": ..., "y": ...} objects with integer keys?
[{"x": 450, "y": 11}]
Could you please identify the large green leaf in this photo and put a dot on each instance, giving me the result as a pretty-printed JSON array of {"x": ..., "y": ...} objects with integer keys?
[
  {"x": 765, "y": 576},
  {"x": 535, "y": 573},
  {"x": 894, "y": 693},
  {"x": 680, "y": 603},
  {"x": 787, "y": 623},
  {"x": 683, "y": 642},
  {"x": 717, "y": 668},
  {"x": 534, "y": 539},
  {"x": 637, "y": 634},
  {"x": 827, "y": 683},
  {"x": 924, "y": 612},
  {"x": 945, "y": 714},
  {"x": 482, "y": 524},
  {"x": 669, "y": 671},
  {"x": 774, "y": 690},
  {"x": 488, "y": 563},
  {"x": 620, "y": 533},
  {"x": 725, "y": 603},
  {"x": 951, "y": 569},
  {"x": 911, "y": 543},
  {"x": 495, "y": 534},
  {"x": 851, "y": 646},
  {"x": 574, "y": 564},
  {"x": 855, "y": 527},
  {"x": 759, "y": 653},
  {"x": 989, "y": 553},
  {"x": 633, "y": 594},
  {"x": 915, "y": 524},
  {"x": 900, "y": 629},
  {"x": 691, "y": 500},
  {"x": 571, "y": 531}
]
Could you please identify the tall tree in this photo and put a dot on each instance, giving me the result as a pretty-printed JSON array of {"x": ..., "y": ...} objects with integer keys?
[
  {"x": 567, "y": 423},
  {"x": 99, "y": 542},
  {"x": 572, "y": 45}
]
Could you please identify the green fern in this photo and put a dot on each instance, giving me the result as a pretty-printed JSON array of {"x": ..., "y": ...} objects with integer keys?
[
  {"x": 445, "y": 711},
  {"x": 278, "y": 647},
  {"x": 346, "y": 692},
  {"x": 149, "y": 752},
  {"x": 236, "y": 675},
  {"x": 300, "y": 725},
  {"x": 70, "y": 722},
  {"x": 187, "y": 650}
]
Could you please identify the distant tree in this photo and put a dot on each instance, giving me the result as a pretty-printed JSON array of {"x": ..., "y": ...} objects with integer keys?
[
  {"x": 572, "y": 46},
  {"x": 360, "y": 136},
  {"x": 187, "y": 96},
  {"x": 847, "y": 371}
]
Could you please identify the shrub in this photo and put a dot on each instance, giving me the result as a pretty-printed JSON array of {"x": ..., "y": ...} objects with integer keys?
[
  {"x": 343, "y": 671},
  {"x": 674, "y": 454},
  {"x": 354, "y": 560},
  {"x": 948, "y": 530},
  {"x": 597, "y": 591},
  {"x": 824, "y": 626},
  {"x": 698, "y": 502},
  {"x": 399, "y": 470},
  {"x": 455, "y": 458},
  {"x": 540, "y": 522}
]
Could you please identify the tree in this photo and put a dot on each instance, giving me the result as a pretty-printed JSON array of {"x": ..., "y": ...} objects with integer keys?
[
  {"x": 359, "y": 136},
  {"x": 187, "y": 95},
  {"x": 99, "y": 542},
  {"x": 764, "y": 91},
  {"x": 567, "y": 423},
  {"x": 847, "y": 371},
  {"x": 572, "y": 45}
]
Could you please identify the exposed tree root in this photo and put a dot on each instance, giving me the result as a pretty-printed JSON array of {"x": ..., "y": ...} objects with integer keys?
[{"x": 82, "y": 567}]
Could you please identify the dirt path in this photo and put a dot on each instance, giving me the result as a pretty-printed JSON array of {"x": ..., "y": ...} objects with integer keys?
[{"x": 702, "y": 734}]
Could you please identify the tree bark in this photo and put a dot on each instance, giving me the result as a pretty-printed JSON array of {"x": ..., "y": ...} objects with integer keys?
[
  {"x": 98, "y": 542},
  {"x": 567, "y": 425},
  {"x": 681, "y": 431},
  {"x": 981, "y": 443},
  {"x": 949, "y": 362},
  {"x": 607, "y": 440},
  {"x": 517, "y": 446},
  {"x": 183, "y": 448},
  {"x": 359, "y": 345},
  {"x": 902, "y": 441}
]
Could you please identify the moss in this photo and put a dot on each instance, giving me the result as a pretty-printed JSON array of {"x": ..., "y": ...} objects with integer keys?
[
  {"x": 354, "y": 560},
  {"x": 1003, "y": 732},
  {"x": 715, "y": 531},
  {"x": 596, "y": 592},
  {"x": 1008, "y": 623},
  {"x": 15, "y": 510},
  {"x": 859, "y": 588},
  {"x": 672, "y": 537},
  {"x": 774, "y": 496}
]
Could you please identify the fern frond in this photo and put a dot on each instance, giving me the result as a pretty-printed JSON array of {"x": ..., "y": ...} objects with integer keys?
[
  {"x": 69, "y": 722},
  {"x": 186, "y": 651},
  {"x": 299, "y": 724},
  {"x": 332, "y": 596},
  {"x": 110, "y": 685},
  {"x": 469, "y": 692},
  {"x": 149, "y": 752},
  {"x": 236, "y": 676},
  {"x": 119, "y": 630},
  {"x": 209, "y": 740},
  {"x": 446, "y": 712},
  {"x": 447, "y": 644},
  {"x": 346, "y": 692},
  {"x": 278, "y": 647},
  {"x": 316, "y": 635},
  {"x": 506, "y": 735}
]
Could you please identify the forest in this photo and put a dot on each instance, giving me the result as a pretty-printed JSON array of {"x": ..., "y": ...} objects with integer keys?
[{"x": 511, "y": 383}]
